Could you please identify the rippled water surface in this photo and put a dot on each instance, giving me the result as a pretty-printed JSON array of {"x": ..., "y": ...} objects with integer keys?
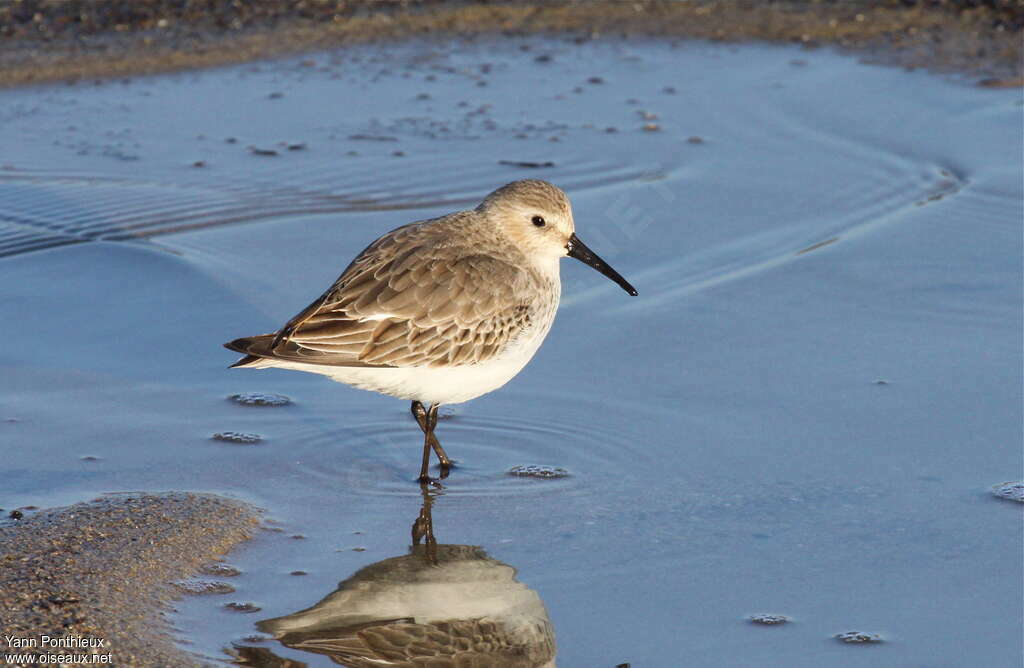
[{"x": 802, "y": 414}]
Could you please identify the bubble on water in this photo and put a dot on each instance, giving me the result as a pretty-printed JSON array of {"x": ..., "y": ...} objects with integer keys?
[
  {"x": 769, "y": 620},
  {"x": 197, "y": 587},
  {"x": 240, "y": 437},
  {"x": 538, "y": 471},
  {"x": 260, "y": 399},
  {"x": 858, "y": 637},
  {"x": 1012, "y": 491}
]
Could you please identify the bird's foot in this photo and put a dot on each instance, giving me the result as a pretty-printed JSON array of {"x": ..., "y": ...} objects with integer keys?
[{"x": 433, "y": 482}]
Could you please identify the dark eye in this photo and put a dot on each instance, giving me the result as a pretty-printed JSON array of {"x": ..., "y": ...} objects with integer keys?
[{"x": 538, "y": 221}]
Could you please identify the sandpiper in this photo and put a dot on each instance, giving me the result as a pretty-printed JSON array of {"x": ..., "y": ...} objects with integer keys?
[{"x": 439, "y": 311}]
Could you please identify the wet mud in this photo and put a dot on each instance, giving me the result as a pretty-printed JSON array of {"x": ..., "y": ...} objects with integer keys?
[
  {"x": 104, "y": 571},
  {"x": 51, "y": 40}
]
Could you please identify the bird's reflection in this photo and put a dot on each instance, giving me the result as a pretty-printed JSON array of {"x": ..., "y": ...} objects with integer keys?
[{"x": 439, "y": 605}]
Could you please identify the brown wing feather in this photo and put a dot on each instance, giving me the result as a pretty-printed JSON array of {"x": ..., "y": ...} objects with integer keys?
[
  {"x": 412, "y": 298},
  {"x": 407, "y": 644}
]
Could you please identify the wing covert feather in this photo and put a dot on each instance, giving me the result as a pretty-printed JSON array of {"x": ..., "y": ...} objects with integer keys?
[{"x": 410, "y": 299}]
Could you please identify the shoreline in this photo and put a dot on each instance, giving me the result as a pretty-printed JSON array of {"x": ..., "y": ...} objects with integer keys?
[
  {"x": 68, "y": 42},
  {"x": 90, "y": 582}
]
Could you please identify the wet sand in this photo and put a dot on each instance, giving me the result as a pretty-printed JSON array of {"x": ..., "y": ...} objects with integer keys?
[
  {"x": 57, "y": 41},
  {"x": 102, "y": 571}
]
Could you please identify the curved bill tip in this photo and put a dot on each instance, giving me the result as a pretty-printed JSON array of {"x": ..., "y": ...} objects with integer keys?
[{"x": 577, "y": 249}]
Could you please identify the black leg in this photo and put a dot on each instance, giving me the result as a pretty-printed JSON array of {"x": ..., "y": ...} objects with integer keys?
[
  {"x": 427, "y": 420},
  {"x": 423, "y": 527},
  {"x": 442, "y": 456},
  {"x": 420, "y": 414}
]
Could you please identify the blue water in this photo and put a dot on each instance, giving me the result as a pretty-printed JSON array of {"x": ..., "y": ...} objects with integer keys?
[{"x": 762, "y": 430}]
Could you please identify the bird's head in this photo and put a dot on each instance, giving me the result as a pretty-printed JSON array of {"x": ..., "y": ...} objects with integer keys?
[{"x": 537, "y": 217}]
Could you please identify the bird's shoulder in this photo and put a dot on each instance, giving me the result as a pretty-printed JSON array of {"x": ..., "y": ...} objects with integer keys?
[
  {"x": 434, "y": 270},
  {"x": 435, "y": 292}
]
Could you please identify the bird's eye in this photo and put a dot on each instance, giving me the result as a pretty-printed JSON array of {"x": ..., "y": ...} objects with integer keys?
[{"x": 539, "y": 221}]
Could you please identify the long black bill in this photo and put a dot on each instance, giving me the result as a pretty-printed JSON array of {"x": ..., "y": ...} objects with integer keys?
[{"x": 579, "y": 250}]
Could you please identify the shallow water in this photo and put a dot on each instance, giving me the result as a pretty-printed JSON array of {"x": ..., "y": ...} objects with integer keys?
[{"x": 801, "y": 414}]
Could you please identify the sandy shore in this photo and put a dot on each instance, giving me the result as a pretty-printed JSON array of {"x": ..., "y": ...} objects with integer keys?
[
  {"x": 101, "y": 573},
  {"x": 65, "y": 41}
]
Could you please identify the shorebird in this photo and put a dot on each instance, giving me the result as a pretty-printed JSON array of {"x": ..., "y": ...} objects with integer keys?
[
  {"x": 439, "y": 605},
  {"x": 439, "y": 311},
  {"x": 462, "y": 608}
]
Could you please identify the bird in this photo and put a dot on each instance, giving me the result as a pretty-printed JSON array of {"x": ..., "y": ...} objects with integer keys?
[
  {"x": 460, "y": 608},
  {"x": 439, "y": 311},
  {"x": 438, "y": 605}
]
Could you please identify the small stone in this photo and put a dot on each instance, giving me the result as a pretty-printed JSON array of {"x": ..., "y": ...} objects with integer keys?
[
  {"x": 1011, "y": 491},
  {"x": 858, "y": 637},
  {"x": 242, "y": 607},
  {"x": 595, "y": 80},
  {"x": 199, "y": 163},
  {"x": 538, "y": 471},
  {"x": 90, "y": 458},
  {"x": 276, "y": 95},
  {"x": 298, "y": 573},
  {"x": 239, "y": 437},
  {"x": 669, "y": 90},
  {"x": 203, "y": 587},
  {"x": 695, "y": 140},
  {"x": 218, "y": 569},
  {"x": 268, "y": 152},
  {"x": 769, "y": 620},
  {"x": 260, "y": 399}
]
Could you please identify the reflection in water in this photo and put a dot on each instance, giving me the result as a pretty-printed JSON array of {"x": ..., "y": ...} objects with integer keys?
[{"x": 439, "y": 605}]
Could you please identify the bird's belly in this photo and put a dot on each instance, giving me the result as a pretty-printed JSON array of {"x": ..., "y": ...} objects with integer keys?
[{"x": 434, "y": 384}]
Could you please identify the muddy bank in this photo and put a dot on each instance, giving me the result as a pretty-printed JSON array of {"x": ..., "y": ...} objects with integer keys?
[
  {"x": 47, "y": 40},
  {"x": 95, "y": 577}
]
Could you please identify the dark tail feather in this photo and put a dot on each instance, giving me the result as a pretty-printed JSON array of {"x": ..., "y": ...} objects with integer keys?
[
  {"x": 246, "y": 345},
  {"x": 245, "y": 361}
]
